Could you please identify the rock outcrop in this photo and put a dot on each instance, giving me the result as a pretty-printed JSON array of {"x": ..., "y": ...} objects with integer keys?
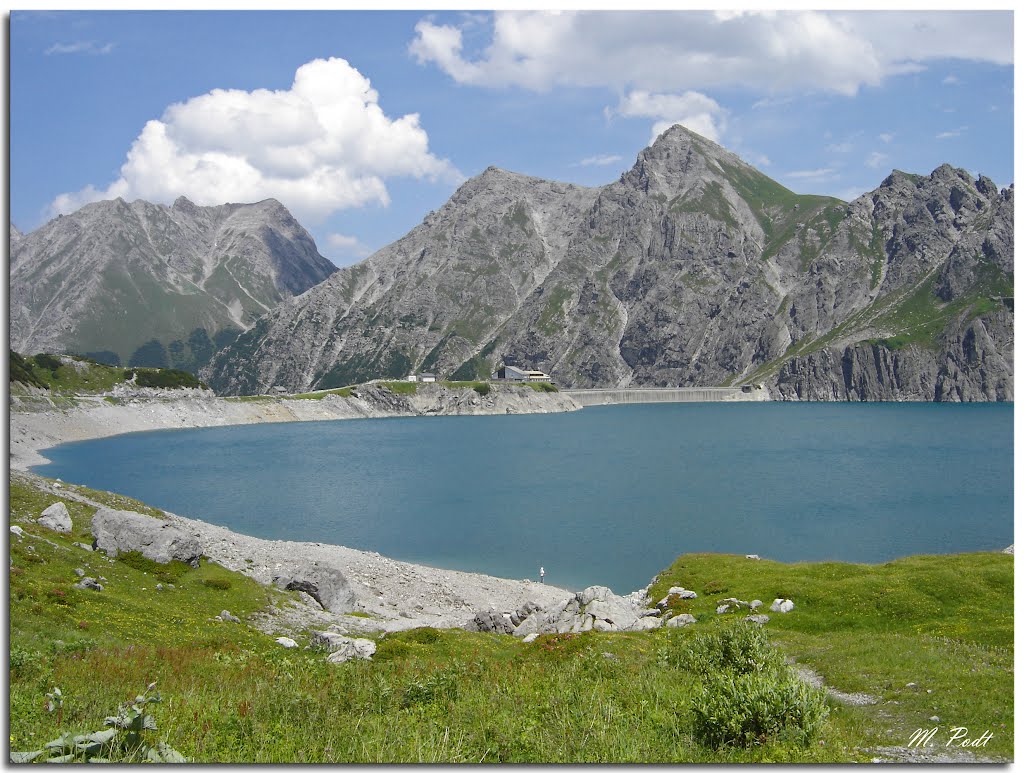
[
  {"x": 56, "y": 518},
  {"x": 122, "y": 531},
  {"x": 163, "y": 285},
  {"x": 693, "y": 269},
  {"x": 326, "y": 585},
  {"x": 594, "y": 608}
]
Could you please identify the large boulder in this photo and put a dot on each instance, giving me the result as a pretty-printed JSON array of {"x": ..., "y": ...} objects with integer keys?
[
  {"x": 56, "y": 518},
  {"x": 329, "y": 587},
  {"x": 680, "y": 620},
  {"x": 352, "y": 648},
  {"x": 491, "y": 622},
  {"x": 122, "y": 531},
  {"x": 595, "y": 608}
]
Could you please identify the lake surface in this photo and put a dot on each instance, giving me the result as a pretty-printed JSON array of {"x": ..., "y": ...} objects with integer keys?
[{"x": 606, "y": 495}]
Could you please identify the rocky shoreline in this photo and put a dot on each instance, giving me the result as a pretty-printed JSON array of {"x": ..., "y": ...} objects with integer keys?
[{"x": 38, "y": 421}]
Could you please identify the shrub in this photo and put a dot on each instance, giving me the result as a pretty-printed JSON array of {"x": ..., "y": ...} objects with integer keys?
[
  {"x": 482, "y": 389},
  {"x": 748, "y": 694},
  {"x": 737, "y": 649},
  {"x": 170, "y": 572},
  {"x": 439, "y": 687},
  {"x": 21, "y": 370},
  {"x": 217, "y": 583},
  {"x": 166, "y": 378},
  {"x": 747, "y": 709},
  {"x": 47, "y": 362}
]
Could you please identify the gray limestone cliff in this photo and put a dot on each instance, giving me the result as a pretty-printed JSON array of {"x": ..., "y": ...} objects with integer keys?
[
  {"x": 693, "y": 269},
  {"x": 113, "y": 277}
]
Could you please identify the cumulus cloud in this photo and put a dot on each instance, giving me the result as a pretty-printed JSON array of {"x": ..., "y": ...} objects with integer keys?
[
  {"x": 599, "y": 160},
  {"x": 673, "y": 52},
  {"x": 875, "y": 159},
  {"x": 691, "y": 109},
  {"x": 323, "y": 145},
  {"x": 886, "y": 137},
  {"x": 344, "y": 247},
  {"x": 813, "y": 174},
  {"x": 80, "y": 47}
]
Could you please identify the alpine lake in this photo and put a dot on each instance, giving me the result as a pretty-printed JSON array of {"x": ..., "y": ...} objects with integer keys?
[{"x": 606, "y": 495}]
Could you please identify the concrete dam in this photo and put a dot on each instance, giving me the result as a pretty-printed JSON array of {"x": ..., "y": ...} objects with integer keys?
[{"x": 587, "y": 397}]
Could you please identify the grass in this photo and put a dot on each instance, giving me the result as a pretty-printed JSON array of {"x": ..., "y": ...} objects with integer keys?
[
  {"x": 943, "y": 623},
  {"x": 400, "y": 387},
  {"x": 89, "y": 376},
  {"x": 233, "y": 695}
]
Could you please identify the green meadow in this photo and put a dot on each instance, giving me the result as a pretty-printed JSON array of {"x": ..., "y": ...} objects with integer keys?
[{"x": 923, "y": 636}]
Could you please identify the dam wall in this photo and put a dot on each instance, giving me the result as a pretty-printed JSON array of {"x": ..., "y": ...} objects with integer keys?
[{"x": 589, "y": 397}]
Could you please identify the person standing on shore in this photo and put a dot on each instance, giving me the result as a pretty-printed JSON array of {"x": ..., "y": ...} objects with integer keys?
[{"x": 542, "y": 574}]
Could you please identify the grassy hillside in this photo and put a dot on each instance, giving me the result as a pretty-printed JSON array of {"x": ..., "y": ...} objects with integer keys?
[
  {"x": 231, "y": 694},
  {"x": 82, "y": 375}
]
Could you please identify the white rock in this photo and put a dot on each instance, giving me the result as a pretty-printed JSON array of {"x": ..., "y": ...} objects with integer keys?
[
  {"x": 56, "y": 518},
  {"x": 530, "y": 637},
  {"x": 646, "y": 624},
  {"x": 723, "y": 609},
  {"x": 352, "y": 648},
  {"x": 17, "y": 531},
  {"x": 781, "y": 605},
  {"x": 287, "y": 643},
  {"x": 679, "y": 620},
  {"x": 753, "y": 556}
]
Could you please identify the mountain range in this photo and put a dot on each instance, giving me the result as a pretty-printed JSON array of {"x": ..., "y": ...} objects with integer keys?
[
  {"x": 148, "y": 284},
  {"x": 692, "y": 269}
]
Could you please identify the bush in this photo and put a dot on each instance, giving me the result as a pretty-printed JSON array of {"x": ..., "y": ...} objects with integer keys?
[
  {"x": 47, "y": 362},
  {"x": 748, "y": 709},
  {"x": 482, "y": 389},
  {"x": 167, "y": 378},
  {"x": 737, "y": 649},
  {"x": 170, "y": 572},
  {"x": 21, "y": 370},
  {"x": 217, "y": 583},
  {"x": 748, "y": 694}
]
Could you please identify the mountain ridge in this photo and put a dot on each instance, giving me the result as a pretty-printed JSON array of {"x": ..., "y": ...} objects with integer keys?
[
  {"x": 693, "y": 269},
  {"x": 115, "y": 276}
]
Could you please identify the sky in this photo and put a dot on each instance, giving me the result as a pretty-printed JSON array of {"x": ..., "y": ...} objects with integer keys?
[{"x": 362, "y": 122}]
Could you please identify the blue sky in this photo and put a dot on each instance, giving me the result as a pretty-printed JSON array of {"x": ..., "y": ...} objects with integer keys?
[{"x": 316, "y": 108}]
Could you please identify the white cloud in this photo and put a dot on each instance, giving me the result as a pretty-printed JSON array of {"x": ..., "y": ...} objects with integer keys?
[
  {"x": 80, "y": 47},
  {"x": 344, "y": 246},
  {"x": 875, "y": 159},
  {"x": 813, "y": 174},
  {"x": 839, "y": 147},
  {"x": 691, "y": 109},
  {"x": 950, "y": 80},
  {"x": 950, "y": 134},
  {"x": 673, "y": 52},
  {"x": 886, "y": 137},
  {"x": 599, "y": 160},
  {"x": 323, "y": 145}
]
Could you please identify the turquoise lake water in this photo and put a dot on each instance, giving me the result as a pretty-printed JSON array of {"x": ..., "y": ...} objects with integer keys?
[{"x": 607, "y": 495}]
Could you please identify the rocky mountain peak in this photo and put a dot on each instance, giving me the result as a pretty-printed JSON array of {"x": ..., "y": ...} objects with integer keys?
[
  {"x": 118, "y": 279},
  {"x": 680, "y": 160}
]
